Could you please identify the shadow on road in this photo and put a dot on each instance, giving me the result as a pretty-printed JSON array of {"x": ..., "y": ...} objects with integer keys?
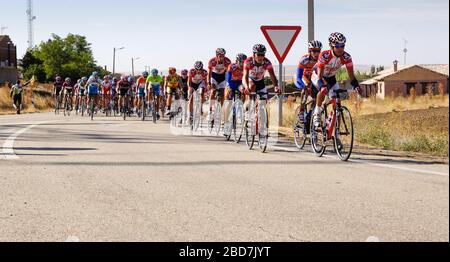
[{"x": 194, "y": 163}]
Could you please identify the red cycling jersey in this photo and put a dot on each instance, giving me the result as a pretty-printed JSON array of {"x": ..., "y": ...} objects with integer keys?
[
  {"x": 307, "y": 63},
  {"x": 257, "y": 71},
  {"x": 331, "y": 64},
  {"x": 106, "y": 87},
  {"x": 219, "y": 67},
  {"x": 236, "y": 73},
  {"x": 198, "y": 76}
]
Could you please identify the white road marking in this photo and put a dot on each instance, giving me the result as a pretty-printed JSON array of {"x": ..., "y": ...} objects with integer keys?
[
  {"x": 428, "y": 172},
  {"x": 8, "y": 145}
]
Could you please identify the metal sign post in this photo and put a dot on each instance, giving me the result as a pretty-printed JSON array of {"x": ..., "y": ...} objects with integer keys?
[{"x": 281, "y": 39}]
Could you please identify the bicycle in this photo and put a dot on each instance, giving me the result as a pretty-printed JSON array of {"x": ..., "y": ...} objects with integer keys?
[
  {"x": 67, "y": 104},
  {"x": 126, "y": 110},
  {"x": 215, "y": 117},
  {"x": 336, "y": 126},
  {"x": 234, "y": 124},
  {"x": 257, "y": 124},
  {"x": 196, "y": 120},
  {"x": 57, "y": 103},
  {"x": 302, "y": 128}
]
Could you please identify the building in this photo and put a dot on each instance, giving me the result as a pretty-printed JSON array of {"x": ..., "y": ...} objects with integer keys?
[
  {"x": 8, "y": 60},
  {"x": 399, "y": 80}
]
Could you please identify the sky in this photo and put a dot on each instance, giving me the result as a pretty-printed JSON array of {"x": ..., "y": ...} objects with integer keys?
[{"x": 178, "y": 32}]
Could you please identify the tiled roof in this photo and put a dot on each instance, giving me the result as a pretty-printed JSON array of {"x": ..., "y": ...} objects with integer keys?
[{"x": 441, "y": 69}]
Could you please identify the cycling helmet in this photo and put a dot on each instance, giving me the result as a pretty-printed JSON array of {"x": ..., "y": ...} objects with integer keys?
[
  {"x": 315, "y": 45},
  {"x": 145, "y": 74},
  {"x": 95, "y": 74},
  {"x": 115, "y": 79},
  {"x": 337, "y": 38},
  {"x": 58, "y": 79},
  {"x": 155, "y": 72},
  {"x": 241, "y": 57},
  {"x": 259, "y": 49},
  {"x": 106, "y": 77},
  {"x": 198, "y": 65},
  {"x": 124, "y": 78},
  {"x": 221, "y": 51},
  {"x": 184, "y": 72},
  {"x": 84, "y": 79},
  {"x": 67, "y": 80},
  {"x": 172, "y": 70},
  {"x": 131, "y": 79}
]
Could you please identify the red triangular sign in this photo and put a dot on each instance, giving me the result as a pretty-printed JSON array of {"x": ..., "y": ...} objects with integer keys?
[{"x": 281, "y": 39}]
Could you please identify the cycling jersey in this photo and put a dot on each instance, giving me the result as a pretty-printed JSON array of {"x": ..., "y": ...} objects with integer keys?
[
  {"x": 257, "y": 71},
  {"x": 304, "y": 71},
  {"x": 58, "y": 87},
  {"x": 331, "y": 64},
  {"x": 106, "y": 87},
  {"x": 198, "y": 76},
  {"x": 219, "y": 67},
  {"x": 93, "y": 85},
  {"x": 155, "y": 80},
  {"x": 235, "y": 73},
  {"x": 173, "y": 81}
]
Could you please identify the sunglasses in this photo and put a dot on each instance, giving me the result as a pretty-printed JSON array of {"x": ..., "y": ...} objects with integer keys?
[
  {"x": 261, "y": 55},
  {"x": 339, "y": 46},
  {"x": 315, "y": 51}
]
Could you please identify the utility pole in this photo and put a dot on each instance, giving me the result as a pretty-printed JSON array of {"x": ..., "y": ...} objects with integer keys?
[
  {"x": 311, "y": 20},
  {"x": 30, "y": 19},
  {"x": 114, "y": 58},
  {"x": 405, "y": 50},
  {"x": 132, "y": 64}
]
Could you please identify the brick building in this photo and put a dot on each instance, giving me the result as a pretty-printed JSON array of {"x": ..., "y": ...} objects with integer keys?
[
  {"x": 8, "y": 60},
  {"x": 399, "y": 80}
]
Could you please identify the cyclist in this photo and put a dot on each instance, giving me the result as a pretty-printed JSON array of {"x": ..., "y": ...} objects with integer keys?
[
  {"x": 197, "y": 80},
  {"x": 141, "y": 87},
  {"x": 184, "y": 84},
  {"x": 57, "y": 88},
  {"x": 67, "y": 91},
  {"x": 81, "y": 93},
  {"x": 172, "y": 84},
  {"x": 304, "y": 72},
  {"x": 154, "y": 83},
  {"x": 234, "y": 76},
  {"x": 123, "y": 88},
  {"x": 324, "y": 73},
  {"x": 107, "y": 87},
  {"x": 114, "y": 93},
  {"x": 132, "y": 81},
  {"x": 255, "y": 68},
  {"x": 218, "y": 67},
  {"x": 93, "y": 88}
]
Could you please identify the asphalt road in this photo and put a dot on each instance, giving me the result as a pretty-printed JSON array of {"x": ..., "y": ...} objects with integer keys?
[{"x": 70, "y": 179}]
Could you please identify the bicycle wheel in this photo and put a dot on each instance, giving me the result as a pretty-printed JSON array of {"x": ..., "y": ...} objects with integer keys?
[
  {"x": 263, "y": 127},
  {"x": 197, "y": 113},
  {"x": 230, "y": 121},
  {"x": 319, "y": 136},
  {"x": 154, "y": 111},
  {"x": 65, "y": 107},
  {"x": 250, "y": 126},
  {"x": 91, "y": 109},
  {"x": 57, "y": 106},
  {"x": 217, "y": 119},
  {"x": 239, "y": 122},
  {"x": 143, "y": 110},
  {"x": 344, "y": 135},
  {"x": 125, "y": 109}
]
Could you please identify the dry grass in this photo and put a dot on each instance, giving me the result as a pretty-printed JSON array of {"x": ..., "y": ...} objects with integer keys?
[
  {"x": 412, "y": 124},
  {"x": 38, "y": 100}
]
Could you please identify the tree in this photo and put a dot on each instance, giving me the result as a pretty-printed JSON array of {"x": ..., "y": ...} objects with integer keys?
[
  {"x": 373, "y": 70},
  {"x": 32, "y": 66},
  {"x": 67, "y": 57}
]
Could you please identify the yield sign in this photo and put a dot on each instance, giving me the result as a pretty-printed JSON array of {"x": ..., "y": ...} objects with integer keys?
[{"x": 281, "y": 39}]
